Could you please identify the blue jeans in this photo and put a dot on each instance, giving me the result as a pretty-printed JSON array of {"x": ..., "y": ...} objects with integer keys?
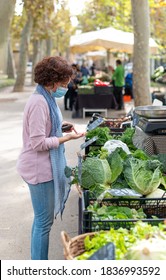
[{"x": 42, "y": 196}]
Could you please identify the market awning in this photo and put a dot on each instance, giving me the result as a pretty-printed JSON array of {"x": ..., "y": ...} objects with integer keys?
[{"x": 106, "y": 39}]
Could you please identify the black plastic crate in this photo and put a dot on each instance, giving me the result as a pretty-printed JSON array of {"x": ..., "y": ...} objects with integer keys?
[
  {"x": 90, "y": 225},
  {"x": 151, "y": 207},
  {"x": 93, "y": 146}
]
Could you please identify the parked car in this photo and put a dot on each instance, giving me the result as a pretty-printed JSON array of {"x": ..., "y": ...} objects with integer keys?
[
  {"x": 29, "y": 67},
  {"x": 128, "y": 68}
]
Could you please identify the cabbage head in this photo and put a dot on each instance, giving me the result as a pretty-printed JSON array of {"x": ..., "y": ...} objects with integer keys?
[
  {"x": 148, "y": 249},
  {"x": 95, "y": 171},
  {"x": 140, "y": 176}
]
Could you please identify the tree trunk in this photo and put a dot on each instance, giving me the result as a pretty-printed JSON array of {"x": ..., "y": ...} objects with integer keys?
[
  {"x": 141, "y": 58},
  {"x": 42, "y": 53},
  {"x": 11, "y": 71},
  {"x": 48, "y": 46},
  {"x": 21, "y": 72},
  {"x": 6, "y": 14},
  {"x": 35, "y": 58}
]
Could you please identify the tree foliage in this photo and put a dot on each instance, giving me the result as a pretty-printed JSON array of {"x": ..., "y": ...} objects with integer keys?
[
  {"x": 51, "y": 19},
  {"x": 100, "y": 14},
  {"x": 158, "y": 22}
]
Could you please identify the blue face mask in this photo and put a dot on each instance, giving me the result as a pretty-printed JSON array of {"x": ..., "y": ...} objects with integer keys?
[{"x": 60, "y": 92}]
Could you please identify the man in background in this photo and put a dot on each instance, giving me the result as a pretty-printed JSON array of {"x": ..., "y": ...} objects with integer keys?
[{"x": 118, "y": 80}]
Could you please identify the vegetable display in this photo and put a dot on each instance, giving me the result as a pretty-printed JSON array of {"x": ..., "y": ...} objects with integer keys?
[
  {"x": 112, "y": 166},
  {"x": 124, "y": 239},
  {"x": 125, "y": 171}
]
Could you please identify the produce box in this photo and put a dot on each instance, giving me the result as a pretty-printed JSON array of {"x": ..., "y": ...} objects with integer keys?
[
  {"x": 112, "y": 123},
  {"x": 74, "y": 247},
  {"x": 154, "y": 209},
  {"x": 95, "y": 146},
  {"x": 104, "y": 133}
]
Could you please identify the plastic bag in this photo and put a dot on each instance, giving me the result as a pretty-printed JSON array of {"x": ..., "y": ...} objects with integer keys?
[
  {"x": 111, "y": 146},
  {"x": 84, "y": 80}
]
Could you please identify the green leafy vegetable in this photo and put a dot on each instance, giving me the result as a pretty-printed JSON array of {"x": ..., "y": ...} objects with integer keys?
[
  {"x": 103, "y": 134},
  {"x": 142, "y": 177},
  {"x": 72, "y": 172},
  {"x": 127, "y": 136},
  {"x": 162, "y": 159},
  {"x": 96, "y": 173},
  {"x": 115, "y": 212},
  {"x": 116, "y": 163},
  {"x": 152, "y": 249},
  {"x": 140, "y": 154}
]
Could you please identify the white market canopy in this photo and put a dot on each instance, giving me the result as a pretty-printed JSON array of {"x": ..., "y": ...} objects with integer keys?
[
  {"x": 96, "y": 54},
  {"x": 106, "y": 39}
]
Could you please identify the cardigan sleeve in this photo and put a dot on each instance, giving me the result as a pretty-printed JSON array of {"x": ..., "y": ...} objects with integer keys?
[{"x": 38, "y": 120}]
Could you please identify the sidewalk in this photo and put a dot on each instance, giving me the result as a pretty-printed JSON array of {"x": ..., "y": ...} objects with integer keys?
[{"x": 15, "y": 206}]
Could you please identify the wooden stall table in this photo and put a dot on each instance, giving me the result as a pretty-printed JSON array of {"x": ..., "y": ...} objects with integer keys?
[{"x": 101, "y": 100}]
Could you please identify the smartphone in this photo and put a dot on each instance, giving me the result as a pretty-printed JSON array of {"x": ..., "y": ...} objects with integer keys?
[{"x": 66, "y": 127}]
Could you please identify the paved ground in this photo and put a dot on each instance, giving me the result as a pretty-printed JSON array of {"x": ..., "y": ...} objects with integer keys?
[{"x": 15, "y": 206}]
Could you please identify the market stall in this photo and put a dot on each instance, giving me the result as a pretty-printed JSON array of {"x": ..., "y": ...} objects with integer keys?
[
  {"x": 122, "y": 190},
  {"x": 106, "y": 39},
  {"x": 102, "y": 98}
]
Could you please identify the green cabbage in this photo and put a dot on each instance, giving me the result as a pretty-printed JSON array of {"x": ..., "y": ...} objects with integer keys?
[
  {"x": 148, "y": 249},
  {"x": 157, "y": 194},
  {"x": 142, "y": 177},
  {"x": 95, "y": 171}
]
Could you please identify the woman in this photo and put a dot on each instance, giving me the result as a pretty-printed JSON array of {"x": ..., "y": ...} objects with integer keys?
[{"x": 42, "y": 161}]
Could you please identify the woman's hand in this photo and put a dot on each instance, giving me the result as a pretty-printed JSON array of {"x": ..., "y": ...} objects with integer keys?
[
  {"x": 68, "y": 127},
  {"x": 71, "y": 136},
  {"x": 76, "y": 135}
]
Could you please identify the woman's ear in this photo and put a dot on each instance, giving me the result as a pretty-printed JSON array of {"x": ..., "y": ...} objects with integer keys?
[{"x": 54, "y": 87}]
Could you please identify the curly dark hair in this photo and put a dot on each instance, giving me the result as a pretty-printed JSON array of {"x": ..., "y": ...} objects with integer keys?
[{"x": 51, "y": 70}]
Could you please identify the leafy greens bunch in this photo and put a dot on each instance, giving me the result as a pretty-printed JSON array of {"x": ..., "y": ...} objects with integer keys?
[{"x": 114, "y": 212}]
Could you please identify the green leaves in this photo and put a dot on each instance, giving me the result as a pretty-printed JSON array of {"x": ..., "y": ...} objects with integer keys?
[
  {"x": 142, "y": 178},
  {"x": 115, "y": 213},
  {"x": 116, "y": 164},
  {"x": 95, "y": 173}
]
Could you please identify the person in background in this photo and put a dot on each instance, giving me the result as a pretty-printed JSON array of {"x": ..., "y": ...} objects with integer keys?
[
  {"x": 111, "y": 70},
  {"x": 76, "y": 81},
  {"x": 118, "y": 81},
  {"x": 129, "y": 84},
  {"x": 42, "y": 161},
  {"x": 85, "y": 74},
  {"x": 78, "y": 74},
  {"x": 72, "y": 92},
  {"x": 93, "y": 70}
]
